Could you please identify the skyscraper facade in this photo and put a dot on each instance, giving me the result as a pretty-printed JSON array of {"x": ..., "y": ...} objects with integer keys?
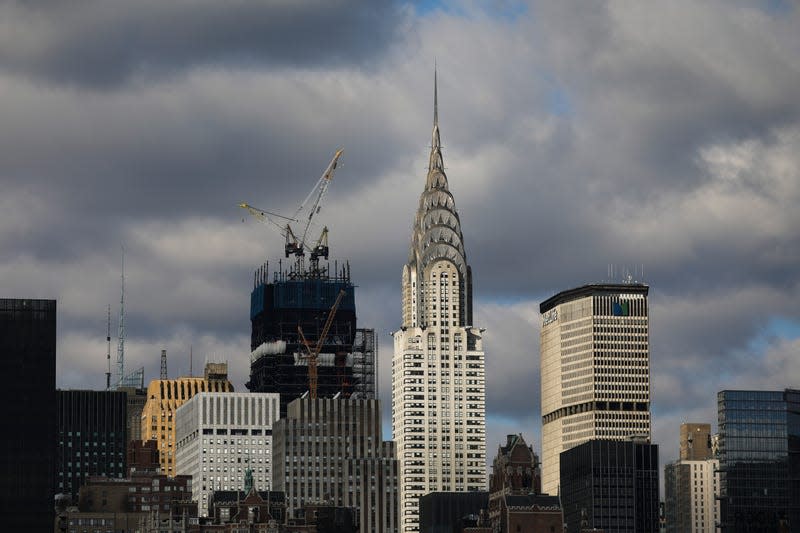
[
  {"x": 595, "y": 369},
  {"x": 438, "y": 383},
  {"x": 332, "y": 449},
  {"x": 611, "y": 486},
  {"x": 164, "y": 396},
  {"x": 759, "y": 447},
  {"x": 28, "y": 348},
  {"x": 691, "y": 496},
  {"x": 92, "y": 437},
  {"x": 219, "y": 436}
]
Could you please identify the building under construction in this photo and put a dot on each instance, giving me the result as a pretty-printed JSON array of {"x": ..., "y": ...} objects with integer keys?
[{"x": 302, "y": 299}]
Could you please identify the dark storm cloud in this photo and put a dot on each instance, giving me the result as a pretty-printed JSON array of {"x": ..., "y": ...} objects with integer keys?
[
  {"x": 652, "y": 94},
  {"x": 575, "y": 135},
  {"x": 102, "y": 43}
]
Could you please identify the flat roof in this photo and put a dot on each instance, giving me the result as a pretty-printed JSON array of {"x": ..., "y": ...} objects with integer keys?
[{"x": 592, "y": 289}]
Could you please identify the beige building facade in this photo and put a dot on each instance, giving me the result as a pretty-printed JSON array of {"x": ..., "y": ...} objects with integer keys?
[
  {"x": 164, "y": 396},
  {"x": 692, "y": 496},
  {"x": 595, "y": 370},
  {"x": 695, "y": 441},
  {"x": 438, "y": 381}
]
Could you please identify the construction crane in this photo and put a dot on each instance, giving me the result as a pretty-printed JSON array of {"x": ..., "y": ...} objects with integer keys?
[
  {"x": 313, "y": 353},
  {"x": 298, "y": 246}
]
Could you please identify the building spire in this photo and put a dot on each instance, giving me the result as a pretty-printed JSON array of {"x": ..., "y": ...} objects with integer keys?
[{"x": 435, "y": 161}]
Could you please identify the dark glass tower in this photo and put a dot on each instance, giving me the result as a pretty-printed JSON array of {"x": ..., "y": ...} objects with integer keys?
[
  {"x": 28, "y": 349},
  {"x": 92, "y": 437},
  {"x": 289, "y": 300},
  {"x": 759, "y": 440},
  {"x": 610, "y": 485}
]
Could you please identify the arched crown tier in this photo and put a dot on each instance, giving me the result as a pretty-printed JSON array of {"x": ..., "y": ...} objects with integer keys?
[{"x": 437, "y": 231}]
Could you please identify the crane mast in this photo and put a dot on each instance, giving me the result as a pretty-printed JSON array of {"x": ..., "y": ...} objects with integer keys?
[{"x": 313, "y": 354}]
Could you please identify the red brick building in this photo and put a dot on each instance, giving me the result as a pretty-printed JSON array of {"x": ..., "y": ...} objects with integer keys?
[{"x": 515, "y": 502}]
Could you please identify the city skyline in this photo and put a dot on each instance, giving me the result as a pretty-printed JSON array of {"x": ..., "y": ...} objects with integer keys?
[{"x": 664, "y": 136}]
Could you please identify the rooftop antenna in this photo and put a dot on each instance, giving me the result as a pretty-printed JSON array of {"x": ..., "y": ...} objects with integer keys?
[
  {"x": 435, "y": 96},
  {"x": 121, "y": 332},
  {"x": 163, "y": 364},
  {"x": 190, "y": 360},
  {"x": 108, "y": 351}
]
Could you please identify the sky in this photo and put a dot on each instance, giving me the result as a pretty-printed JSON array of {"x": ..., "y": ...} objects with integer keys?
[{"x": 661, "y": 137}]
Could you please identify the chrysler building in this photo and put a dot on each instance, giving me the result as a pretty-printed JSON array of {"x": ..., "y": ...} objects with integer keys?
[{"x": 438, "y": 383}]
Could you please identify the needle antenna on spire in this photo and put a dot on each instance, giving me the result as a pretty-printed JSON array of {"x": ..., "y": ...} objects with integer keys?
[{"x": 435, "y": 96}]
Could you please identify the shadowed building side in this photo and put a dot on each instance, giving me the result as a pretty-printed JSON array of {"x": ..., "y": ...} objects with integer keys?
[{"x": 28, "y": 348}]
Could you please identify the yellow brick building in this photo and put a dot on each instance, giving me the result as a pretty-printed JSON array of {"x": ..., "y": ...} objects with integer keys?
[{"x": 164, "y": 396}]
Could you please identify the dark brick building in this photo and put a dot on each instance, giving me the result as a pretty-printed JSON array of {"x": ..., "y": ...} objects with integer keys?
[
  {"x": 110, "y": 504},
  {"x": 515, "y": 500}
]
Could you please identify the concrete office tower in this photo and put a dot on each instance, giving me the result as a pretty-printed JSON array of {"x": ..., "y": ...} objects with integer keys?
[
  {"x": 438, "y": 383},
  {"x": 759, "y": 460},
  {"x": 691, "y": 496},
  {"x": 219, "y": 435},
  {"x": 695, "y": 442},
  {"x": 28, "y": 348},
  {"x": 92, "y": 438},
  {"x": 164, "y": 396},
  {"x": 595, "y": 369},
  {"x": 332, "y": 450}
]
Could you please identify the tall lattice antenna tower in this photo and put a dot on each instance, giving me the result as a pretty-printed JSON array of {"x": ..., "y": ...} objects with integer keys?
[
  {"x": 108, "y": 351},
  {"x": 121, "y": 333}
]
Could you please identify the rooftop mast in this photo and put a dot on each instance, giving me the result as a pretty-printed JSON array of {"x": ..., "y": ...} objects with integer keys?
[
  {"x": 121, "y": 333},
  {"x": 108, "y": 351}
]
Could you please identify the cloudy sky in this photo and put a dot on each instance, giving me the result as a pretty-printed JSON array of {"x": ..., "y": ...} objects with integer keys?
[{"x": 575, "y": 135}]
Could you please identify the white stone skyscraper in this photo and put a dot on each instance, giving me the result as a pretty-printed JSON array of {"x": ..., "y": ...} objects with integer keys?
[
  {"x": 438, "y": 383},
  {"x": 595, "y": 369}
]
